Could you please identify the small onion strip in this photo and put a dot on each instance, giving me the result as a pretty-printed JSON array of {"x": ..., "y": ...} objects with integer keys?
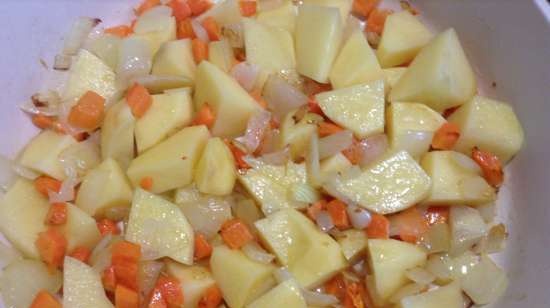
[
  {"x": 319, "y": 299},
  {"x": 257, "y": 125},
  {"x": 282, "y": 97},
  {"x": 359, "y": 217},
  {"x": 255, "y": 252},
  {"x": 199, "y": 30},
  {"x": 324, "y": 221},
  {"x": 276, "y": 158},
  {"x": 78, "y": 34},
  {"x": 372, "y": 148},
  {"x": 134, "y": 59},
  {"x": 246, "y": 74},
  {"x": 335, "y": 143}
]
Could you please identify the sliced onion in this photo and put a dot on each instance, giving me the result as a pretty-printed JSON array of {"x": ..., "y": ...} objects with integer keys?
[
  {"x": 319, "y": 299},
  {"x": 134, "y": 59},
  {"x": 30, "y": 108},
  {"x": 234, "y": 34},
  {"x": 7, "y": 174},
  {"x": 257, "y": 253},
  {"x": 282, "y": 97},
  {"x": 335, "y": 143},
  {"x": 360, "y": 218},
  {"x": 199, "y": 30},
  {"x": 246, "y": 74},
  {"x": 372, "y": 148},
  {"x": 420, "y": 275},
  {"x": 62, "y": 62},
  {"x": 25, "y": 172},
  {"x": 148, "y": 274},
  {"x": 78, "y": 34},
  {"x": 282, "y": 274},
  {"x": 208, "y": 214},
  {"x": 324, "y": 221},
  {"x": 277, "y": 158},
  {"x": 257, "y": 125},
  {"x": 66, "y": 192}
]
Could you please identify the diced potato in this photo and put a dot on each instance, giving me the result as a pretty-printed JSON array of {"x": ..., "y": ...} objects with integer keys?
[
  {"x": 353, "y": 243},
  {"x": 89, "y": 73},
  {"x": 105, "y": 47},
  {"x": 449, "y": 296},
  {"x": 160, "y": 228},
  {"x": 103, "y": 188},
  {"x": 168, "y": 113},
  {"x": 83, "y": 156},
  {"x": 333, "y": 165},
  {"x": 221, "y": 54},
  {"x": 231, "y": 103},
  {"x": 22, "y": 213},
  {"x": 216, "y": 173},
  {"x": 402, "y": 38},
  {"x": 441, "y": 265},
  {"x": 392, "y": 184},
  {"x": 270, "y": 48},
  {"x": 240, "y": 279},
  {"x": 175, "y": 58},
  {"x": 80, "y": 229},
  {"x": 270, "y": 185},
  {"x": 8, "y": 254},
  {"x": 287, "y": 294},
  {"x": 298, "y": 244},
  {"x": 410, "y": 127},
  {"x": 453, "y": 182},
  {"x": 295, "y": 135},
  {"x": 171, "y": 163},
  {"x": 467, "y": 228},
  {"x": 485, "y": 282},
  {"x": 318, "y": 37},
  {"x": 344, "y": 6},
  {"x": 156, "y": 29},
  {"x": 42, "y": 153},
  {"x": 437, "y": 238},
  {"x": 359, "y": 108},
  {"x": 194, "y": 281},
  {"x": 389, "y": 259},
  {"x": 392, "y": 76},
  {"x": 440, "y": 75},
  {"x": 224, "y": 12},
  {"x": 283, "y": 17},
  {"x": 247, "y": 211},
  {"x": 82, "y": 286},
  {"x": 117, "y": 134},
  {"x": 356, "y": 63},
  {"x": 23, "y": 279},
  {"x": 490, "y": 125}
]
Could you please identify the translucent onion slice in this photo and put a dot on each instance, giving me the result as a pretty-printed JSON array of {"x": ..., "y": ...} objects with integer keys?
[
  {"x": 148, "y": 274},
  {"x": 256, "y": 128},
  {"x": 360, "y": 218},
  {"x": 324, "y": 221},
  {"x": 199, "y": 30},
  {"x": 246, "y": 75},
  {"x": 282, "y": 97},
  {"x": 78, "y": 34},
  {"x": 257, "y": 253},
  {"x": 318, "y": 299},
  {"x": 335, "y": 143},
  {"x": 372, "y": 148}
]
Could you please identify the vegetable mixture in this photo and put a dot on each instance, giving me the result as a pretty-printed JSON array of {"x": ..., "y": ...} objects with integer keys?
[{"x": 258, "y": 153}]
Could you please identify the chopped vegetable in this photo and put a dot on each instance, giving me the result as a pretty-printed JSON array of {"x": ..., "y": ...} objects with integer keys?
[
  {"x": 44, "y": 299},
  {"x": 205, "y": 116},
  {"x": 354, "y": 153},
  {"x": 200, "y": 50},
  {"x": 180, "y": 9},
  {"x": 81, "y": 253},
  {"x": 146, "y": 183},
  {"x": 410, "y": 224},
  {"x": 185, "y": 29},
  {"x": 212, "y": 28},
  {"x": 57, "y": 214},
  {"x": 88, "y": 112},
  {"x": 326, "y": 128},
  {"x": 338, "y": 213},
  {"x": 212, "y": 298},
  {"x": 51, "y": 245},
  {"x": 379, "y": 227},
  {"x": 171, "y": 291},
  {"x": 125, "y": 297},
  {"x": 235, "y": 233},
  {"x": 354, "y": 295},
  {"x": 238, "y": 154},
  {"x": 198, "y": 6},
  {"x": 248, "y": 8},
  {"x": 376, "y": 20},
  {"x": 314, "y": 106},
  {"x": 44, "y": 184},
  {"x": 145, "y": 6},
  {"x": 203, "y": 249},
  {"x": 139, "y": 100},
  {"x": 125, "y": 258},
  {"x": 108, "y": 278},
  {"x": 120, "y": 31},
  {"x": 446, "y": 136},
  {"x": 490, "y": 165},
  {"x": 107, "y": 226},
  {"x": 45, "y": 122},
  {"x": 315, "y": 208},
  {"x": 364, "y": 7},
  {"x": 437, "y": 215}
]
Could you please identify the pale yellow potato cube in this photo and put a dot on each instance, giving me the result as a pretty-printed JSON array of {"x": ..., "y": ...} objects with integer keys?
[
  {"x": 402, "y": 38},
  {"x": 295, "y": 135},
  {"x": 393, "y": 183},
  {"x": 440, "y": 76},
  {"x": 270, "y": 48},
  {"x": 220, "y": 53},
  {"x": 344, "y": 6},
  {"x": 287, "y": 294},
  {"x": 80, "y": 229},
  {"x": 156, "y": 29},
  {"x": 240, "y": 279},
  {"x": 389, "y": 259},
  {"x": 171, "y": 163},
  {"x": 356, "y": 63},
  {"x": 42, "y": 153},
  {"x": 298, "y": 244},
  {"x": 453, "y": 181},
  {"x": 89, "y": 73},
  {"x": 22, "y": 213},
  {"x": 215, "y": 172},
  {"x": 318, "y": 37},
  {"x": 484, "y": 282},
  {"x": 168, "y": 113},
  {"x": 283, "y": 17},
  {"x": 334, "y": 165},
  {"x": 232, "y": 105},
  {"x": 194, "y": 281},
  {"x": 160, "y": 228},
  {"x": 353, "y": 243},
  {"x": 489, "y": 125},
  {"x": 392, "y": 76},
  {"x": 359, "y": 108},
  {"x": 117, "y": 134},
  {"x": 175, "y": 58},
  {"x": 224, "y": 12},
  {"x": 82, "y": 287},
  {"x": 104, "y": 187},
  {"x": 449, "y": 296},
  {"x": 105, "y": 47}
]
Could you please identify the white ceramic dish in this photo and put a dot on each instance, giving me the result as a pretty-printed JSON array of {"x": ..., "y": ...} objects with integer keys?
[{"x": 508, "y": 42}]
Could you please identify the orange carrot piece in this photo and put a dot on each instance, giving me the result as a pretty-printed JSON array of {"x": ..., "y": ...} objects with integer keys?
[
  {"x": 146, "y": 183},
  {"x": 42, "y": 121},
  {"x": 364, "y": 7},
  {"x": 238, "y": 154},
  {"x": 120, "y": 31},
  {"x": 315, "y": 208},
  {"x": 45, "y": 184},
  {"x": 379, "y": 227},
  {"x": 171, "y": 291},
  {"x": 354, "y": 153},
  {"x": 44, "y": 299},
  {"x": 125, "y": 297},
  {"x": 156, "y": 300},
  {"x": 180, "y": 9},
  {"x": 235, "y": 233},
  {"x": 336, "y": 286},
  {"x": 490, "y": 166},
  {"x": 57, "y": 214},
  {"x": 338, "y": 213},
  {"x": 200, "y": 50},
  {"x": 205, "y": 116},
  {"x": 212, "y": 28},
  {"x": 437, "y": 215},
  {"x": 108, "y": 278},
  {"x": 248, "y": 8},
  {"x": 354, "y": 296},
  {"x": 376, "y": 20},
  {"x": 314, "y": 106},
  {"x": 203, "y": 249},
  {"x": 212, "y": 298},
  {"x": 145, "y": 6},
  {"x": 199, "y": 6},
  {"x": 81, "y": 253},
  {"x": 326, "y": 128},
  {"x": 125, "y": 258},
  {"x": 185, "y": 29},
  {"x": 139, "y": 100},
  {"x": 410, "y": 224},
  {"x": 446, "y": 136},
  {"x": 51, "y": 245},
  {"x": 107, "y": 226},
  {"x": 88, "y": 112}
]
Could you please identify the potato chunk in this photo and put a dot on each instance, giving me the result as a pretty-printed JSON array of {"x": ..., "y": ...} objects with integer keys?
[
  {"x": 283, "y": 17},
  {"x": 171, "y": 163},
  {"x": 80, "y": 229},
  {"x": 220, "y": 53},
  {"x": 287, "y": 294},
  {"x": 353, "y": 243},
  {"x": 490, "y": 125},
  {"x": 216, "y": 172},
  {"x": 449, "y": 296},
  {"x": 359, "y": 108},
  {"x": 117, "y": 134},
  {"x": 175, "y": 58},
  {"x": 82, "y": 286},
  {"x": 440, "y": 75},
  {"x": 484, "y": 282},
  {"x": 298, "y": 245},
  {"x": 344, "y": 6},
  {"x": 194, "y": 280},
  {"x": 156, "y": 29}
]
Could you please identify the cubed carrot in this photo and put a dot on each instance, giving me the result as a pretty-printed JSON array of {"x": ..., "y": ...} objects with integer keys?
[
  {"x": 199, "y": 6},
  {"x": 490, "y": 166},
  {"x": 146, "y": 183},
  {"x": 377, "y": 19},
  {"x": 81, "y": 253},
  {"x": 315, "y": 208},
  {"x": 205, "y": 116},
  {"x": 120, "y": 31},
  {"x": 51, "y": 245},
  {"x": 185, "y": 29},
  {"x": 145, "y": 6},
  {"x": 338, "y": 213},
  {"x": 156, "y": 300},
  {"x": 446, "y": 136},
  {"x": 125, "y": 297},
  {"x": 354, "y": 296},
  {"x": 200, "y": 50},
  {"x": 212, "y": 298},
  {"x": 57, "y": 214},
  {"x": 88, "y": 112},
  {"x": 314, "y": 106},
  {"x": 379, "y": 227},
  {"x": 238, "y": 154},
  {"x": 180, "y": 9},
  {"x": 437, "y": 215},
  {"x": 107, "y": 226},
  {"x": 248, "y": 8},
  {"x": 410, "y": 224},
  {"x": 326, "y": 128},
  {"x": 44, "y": 299},
  {"x": 235, "y": 233},
  {"x": 44, "y": 184},
  {"x": 203, "y": 249},
  {"x": 108, "y": 278},
  {"x": 364, "y": 7},
  {"x": 42, "y": 121},
  {"x": 171, "y": 291},
  {"x": 336, "y": 286},
  {"x": 125, "y": 258},
  {"x": 212, "y": 28},
  {"x": 139, "y": 100}
]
